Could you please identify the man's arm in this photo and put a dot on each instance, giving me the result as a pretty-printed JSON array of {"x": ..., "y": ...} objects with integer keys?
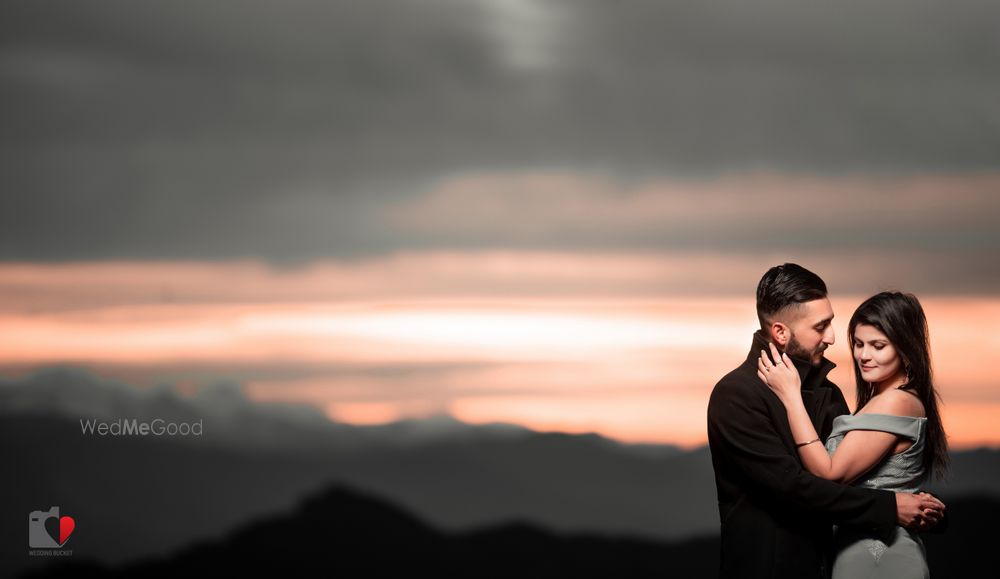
[
  {"x": 740, "y": 426},
  {"x": 911, "y": 510}
]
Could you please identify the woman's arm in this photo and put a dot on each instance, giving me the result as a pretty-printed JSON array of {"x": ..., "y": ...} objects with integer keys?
[
  {"x": 746, "y": 440},
  {"x": 857, "y": 453}
]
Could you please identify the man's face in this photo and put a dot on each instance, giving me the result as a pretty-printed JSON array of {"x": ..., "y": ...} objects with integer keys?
[{"x": 811, "y": 332}]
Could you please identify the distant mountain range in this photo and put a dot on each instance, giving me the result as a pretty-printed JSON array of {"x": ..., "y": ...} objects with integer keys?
[
  {"x": 343, "y": 532},
  {"x": 136, "y": 496},
  {"x": 235, "y": 422}
]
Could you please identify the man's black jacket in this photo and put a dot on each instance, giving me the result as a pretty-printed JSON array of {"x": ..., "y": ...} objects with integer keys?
[{"x": 776, "y": 517}]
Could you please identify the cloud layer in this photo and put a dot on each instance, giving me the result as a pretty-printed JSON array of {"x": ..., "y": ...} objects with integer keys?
[{"x": 284, "y": 130}]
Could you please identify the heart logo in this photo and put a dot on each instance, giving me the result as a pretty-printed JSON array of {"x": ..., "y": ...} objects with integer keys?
[
  {"x": 60, "y": 530},
  {"x": 66, "y": 526}
]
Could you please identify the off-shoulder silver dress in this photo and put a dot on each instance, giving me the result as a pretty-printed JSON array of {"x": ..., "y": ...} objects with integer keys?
[{"x": 861, "y": 553}]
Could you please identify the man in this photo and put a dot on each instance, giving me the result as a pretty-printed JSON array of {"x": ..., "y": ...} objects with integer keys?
[{"x": 776, "y": 517}]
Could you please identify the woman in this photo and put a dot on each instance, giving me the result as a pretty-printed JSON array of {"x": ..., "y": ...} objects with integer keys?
[{"x": 893, "y": 441}]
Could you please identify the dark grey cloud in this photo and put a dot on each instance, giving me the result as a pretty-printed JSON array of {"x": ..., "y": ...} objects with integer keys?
[{"x": 182, "y": 129}]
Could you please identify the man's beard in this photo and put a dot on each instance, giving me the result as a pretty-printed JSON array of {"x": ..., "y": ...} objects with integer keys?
[{"x": 795, "y": 349}]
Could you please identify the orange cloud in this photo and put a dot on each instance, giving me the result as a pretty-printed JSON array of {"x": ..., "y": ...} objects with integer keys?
[{"x": 630, "y": 365}]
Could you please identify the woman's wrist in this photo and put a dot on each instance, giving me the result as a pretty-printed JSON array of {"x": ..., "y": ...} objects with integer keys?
[{"x": 792, "y": 400}]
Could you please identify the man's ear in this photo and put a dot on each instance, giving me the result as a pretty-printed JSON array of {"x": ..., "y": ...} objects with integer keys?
[{"x": 780, "y": 334}]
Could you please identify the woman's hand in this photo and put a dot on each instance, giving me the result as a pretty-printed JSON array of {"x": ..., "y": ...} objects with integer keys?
[{"x": 781, "y": 377}]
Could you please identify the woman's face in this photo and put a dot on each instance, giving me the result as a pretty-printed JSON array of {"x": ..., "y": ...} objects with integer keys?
[{"x": 875, "y": 355}]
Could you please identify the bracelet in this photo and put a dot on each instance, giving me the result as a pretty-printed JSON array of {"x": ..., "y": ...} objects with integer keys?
[{"x": 801, "y": 444}]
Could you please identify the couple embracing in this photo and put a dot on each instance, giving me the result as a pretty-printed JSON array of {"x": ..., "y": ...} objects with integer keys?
[{"x": 806, "y": 489}]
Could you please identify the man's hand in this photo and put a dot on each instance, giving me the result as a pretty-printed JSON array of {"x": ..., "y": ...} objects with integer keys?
[{"x": 918, "y": 512}]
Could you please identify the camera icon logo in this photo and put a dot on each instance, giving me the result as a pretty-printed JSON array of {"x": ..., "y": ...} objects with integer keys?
[{"x": 45, "y": 526}]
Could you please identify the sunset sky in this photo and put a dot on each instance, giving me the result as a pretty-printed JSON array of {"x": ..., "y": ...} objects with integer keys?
[{"x": 552, "y": 213}]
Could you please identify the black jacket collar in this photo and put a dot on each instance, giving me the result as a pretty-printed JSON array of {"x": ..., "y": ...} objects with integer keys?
[{"x": 811, "y": 376}]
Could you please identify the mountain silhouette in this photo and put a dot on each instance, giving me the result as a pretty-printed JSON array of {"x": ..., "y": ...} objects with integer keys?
[
  {"x": 234, "y": 420},
  {"x": 197, "y": 492},
  {"x": 343, "y": 531},
  {"x": 453, "y": 475}
]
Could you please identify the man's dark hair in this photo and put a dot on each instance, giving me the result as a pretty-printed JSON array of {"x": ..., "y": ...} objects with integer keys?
[{"x": 786, "y": 285}]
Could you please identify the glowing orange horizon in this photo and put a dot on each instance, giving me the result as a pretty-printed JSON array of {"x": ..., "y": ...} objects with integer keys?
[{"x": 637, "y": 368}]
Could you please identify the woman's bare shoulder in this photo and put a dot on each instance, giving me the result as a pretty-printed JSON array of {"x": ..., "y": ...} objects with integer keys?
[{"x": 897, "y": 402}]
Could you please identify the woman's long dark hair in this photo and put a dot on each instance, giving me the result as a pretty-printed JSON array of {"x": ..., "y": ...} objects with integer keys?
[{"x": 901, "y": 318}]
